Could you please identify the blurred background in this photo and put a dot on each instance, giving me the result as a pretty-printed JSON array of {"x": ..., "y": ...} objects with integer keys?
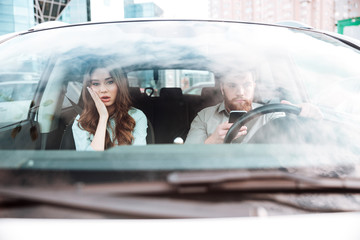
[{"x": 342, "y": 16}]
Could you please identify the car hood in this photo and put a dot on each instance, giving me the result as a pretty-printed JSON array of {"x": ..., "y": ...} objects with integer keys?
[{"x": 311, "y": 226}]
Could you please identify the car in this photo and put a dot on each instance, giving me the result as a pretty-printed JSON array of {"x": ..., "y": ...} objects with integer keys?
[{"x": 297, "y": 176}]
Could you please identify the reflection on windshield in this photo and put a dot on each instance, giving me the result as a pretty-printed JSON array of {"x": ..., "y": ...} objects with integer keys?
[{"x": 174, "y": 70}]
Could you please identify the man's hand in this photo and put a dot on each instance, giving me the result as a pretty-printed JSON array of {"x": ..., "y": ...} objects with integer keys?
[
  {"x": 308, "y": 110},
  {"x": 220, "y": 133}
]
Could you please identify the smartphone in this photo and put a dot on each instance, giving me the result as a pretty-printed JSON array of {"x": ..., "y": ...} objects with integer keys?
[{"x": 235, "y": 115}]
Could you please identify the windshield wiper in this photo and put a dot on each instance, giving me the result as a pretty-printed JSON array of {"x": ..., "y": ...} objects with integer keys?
[
  {"x": 102, "y": 199},
  {"x": 257, "y": 180},
  {"x": 150, "y": 199}
]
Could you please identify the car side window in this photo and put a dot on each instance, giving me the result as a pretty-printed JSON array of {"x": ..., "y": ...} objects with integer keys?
[{"x": 17, "y": 90}]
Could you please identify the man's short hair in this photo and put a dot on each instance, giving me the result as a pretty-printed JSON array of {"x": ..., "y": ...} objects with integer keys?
[{"x": 238, "y": 74}]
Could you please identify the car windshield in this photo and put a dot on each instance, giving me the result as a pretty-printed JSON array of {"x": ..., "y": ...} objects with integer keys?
[{"x": 175, "y": 83}]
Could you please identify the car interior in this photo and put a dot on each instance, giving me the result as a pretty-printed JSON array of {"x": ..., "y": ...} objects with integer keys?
[
  {"x": 169, "y": 114},
  {"x": 168, "y": 110}
]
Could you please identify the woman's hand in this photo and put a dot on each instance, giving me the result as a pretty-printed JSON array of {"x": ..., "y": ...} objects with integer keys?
[
  {"x": 98, "y": 142},
  {"x": 100, "y": 106}
]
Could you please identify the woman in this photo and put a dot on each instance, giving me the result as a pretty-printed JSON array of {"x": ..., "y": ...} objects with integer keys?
[{"x": 108, "y": 118}]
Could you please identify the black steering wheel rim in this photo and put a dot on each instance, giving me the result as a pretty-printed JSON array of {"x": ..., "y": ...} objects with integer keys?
[{"x": 269, "y": 108}]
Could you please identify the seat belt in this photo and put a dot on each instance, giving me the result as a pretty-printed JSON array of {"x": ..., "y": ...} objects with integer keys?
[{"x": 76, "y": 107}]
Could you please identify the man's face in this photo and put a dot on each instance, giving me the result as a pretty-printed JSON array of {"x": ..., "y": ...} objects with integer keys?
[{"x": 238, "y": 92}]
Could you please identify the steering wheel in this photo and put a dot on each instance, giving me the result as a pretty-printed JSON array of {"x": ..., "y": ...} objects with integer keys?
[{"x": 269, "y": 108}]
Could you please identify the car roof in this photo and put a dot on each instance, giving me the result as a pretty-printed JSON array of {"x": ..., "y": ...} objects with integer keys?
[
  {"x": 284, "y": 24},
  {"x": 5, "y": 37},
  {"x": 48, "y": 26}
]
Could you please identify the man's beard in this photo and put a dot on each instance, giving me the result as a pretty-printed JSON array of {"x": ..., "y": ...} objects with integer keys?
[{"x": 245, "y": 105}]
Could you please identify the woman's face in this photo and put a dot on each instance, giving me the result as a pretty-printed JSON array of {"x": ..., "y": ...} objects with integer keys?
[{"x": 104, "y": 86}]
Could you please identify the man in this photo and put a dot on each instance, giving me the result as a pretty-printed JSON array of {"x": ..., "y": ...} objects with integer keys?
[{"x": 211, "y": 124}]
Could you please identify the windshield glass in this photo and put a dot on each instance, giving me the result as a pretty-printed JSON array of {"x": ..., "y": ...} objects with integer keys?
[{"x": 168, "y": 87}]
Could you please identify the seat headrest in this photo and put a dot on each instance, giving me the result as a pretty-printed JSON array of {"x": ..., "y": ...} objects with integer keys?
[
  {"x": 171, "y": 93},
  {"x": 134, "y": 92},
  {"x": 211, "y": 92}
]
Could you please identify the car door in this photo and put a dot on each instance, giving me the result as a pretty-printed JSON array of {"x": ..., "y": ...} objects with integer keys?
[{"x": 20, "y": 75}]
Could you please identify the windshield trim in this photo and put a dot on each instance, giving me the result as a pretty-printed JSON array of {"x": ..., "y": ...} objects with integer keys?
[{"x": 183, "y": 157}]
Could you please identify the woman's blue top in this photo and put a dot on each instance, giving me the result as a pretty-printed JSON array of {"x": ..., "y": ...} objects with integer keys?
[{"x": 83, "y": 138}]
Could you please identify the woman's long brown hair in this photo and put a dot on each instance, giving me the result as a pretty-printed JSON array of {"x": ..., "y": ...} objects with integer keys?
[{"x": 124, "y": 123}]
